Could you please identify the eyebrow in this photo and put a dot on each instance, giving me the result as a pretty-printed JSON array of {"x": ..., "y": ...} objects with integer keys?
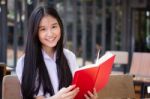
[
  {"x": 52, "y": 24},
  {"x": 55, "y": 24}
]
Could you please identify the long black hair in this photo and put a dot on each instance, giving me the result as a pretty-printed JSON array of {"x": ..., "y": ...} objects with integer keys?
[{"x": 35, "y": 73}]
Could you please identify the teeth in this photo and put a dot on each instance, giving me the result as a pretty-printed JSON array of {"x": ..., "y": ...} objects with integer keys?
[{"x": 51, "y": 39}]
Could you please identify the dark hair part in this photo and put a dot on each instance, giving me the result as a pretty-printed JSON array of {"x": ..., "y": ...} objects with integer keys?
[{"x": 35, "y": 73}]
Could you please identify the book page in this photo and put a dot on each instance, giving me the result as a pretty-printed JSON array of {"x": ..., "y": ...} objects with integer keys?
[
  {"x": 105, "y": 57},
  {"x": 86, "y": 66}
]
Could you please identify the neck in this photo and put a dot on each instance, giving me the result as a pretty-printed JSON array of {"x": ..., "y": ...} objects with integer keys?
[{"x": 49, "y": 51}]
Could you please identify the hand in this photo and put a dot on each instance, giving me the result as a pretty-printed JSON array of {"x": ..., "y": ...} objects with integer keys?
[
  {"x": 66, "y": 93},
  {"x": 91, "y": 95}
]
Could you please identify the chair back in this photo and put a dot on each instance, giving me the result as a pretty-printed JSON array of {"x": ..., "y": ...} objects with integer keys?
[
  {"x": 140, "y": 65},
  {"x": 11, "y": 87},
  {"x": 121, "y": 57}
]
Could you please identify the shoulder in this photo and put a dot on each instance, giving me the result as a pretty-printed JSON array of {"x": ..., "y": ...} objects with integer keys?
[
  {"x": 71, "y": 58},
  {"x": 19, "y": 67},
  {"x": 20, "y": 62},
  {"x": 68, "y": 53}
]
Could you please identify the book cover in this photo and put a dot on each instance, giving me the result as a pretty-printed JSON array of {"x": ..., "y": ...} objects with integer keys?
[{"x": 94, "y": 75}]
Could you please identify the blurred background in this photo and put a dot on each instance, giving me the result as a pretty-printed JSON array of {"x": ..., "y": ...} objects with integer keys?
[{"x": 90, "y": 25}]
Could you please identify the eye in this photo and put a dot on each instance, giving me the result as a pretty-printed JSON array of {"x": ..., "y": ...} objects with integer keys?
[
  {"x": 42, "y": 29},
  {"x": 54, "y": 26}
]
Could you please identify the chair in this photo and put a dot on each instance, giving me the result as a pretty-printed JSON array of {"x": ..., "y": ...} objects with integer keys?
[
  {"x": 118, "y": 87},
  {"x": 4, "y": 69},
  {"x": 121, "y": 58},
  {"x": 140, "y": 69},
  {"x": 140, "y": 65},
  {"x": 11, "y": 87}
]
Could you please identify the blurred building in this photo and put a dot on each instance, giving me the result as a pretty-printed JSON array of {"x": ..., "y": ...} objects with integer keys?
[{"x": 89, "y": 25}]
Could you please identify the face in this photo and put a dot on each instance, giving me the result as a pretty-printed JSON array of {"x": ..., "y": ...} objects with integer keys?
[{"x": 49, "y": 32}]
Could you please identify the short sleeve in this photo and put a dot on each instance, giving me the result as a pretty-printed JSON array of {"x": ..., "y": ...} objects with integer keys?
[
  {"x": 19, "y": 68},
  {"x": 71, "y": 60}
]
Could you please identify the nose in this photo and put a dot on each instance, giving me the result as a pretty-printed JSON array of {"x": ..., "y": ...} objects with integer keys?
[{"x": 49, "y": 33}]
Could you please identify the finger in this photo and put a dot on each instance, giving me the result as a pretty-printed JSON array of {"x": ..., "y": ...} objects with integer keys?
[
  {"x": 76, "y": 91},
  {"x": 86, "y": 97},
  {"x": 90, "y": 94},
  {"x": 65, "y": 90},
  {"x": 71, "y": 93},
  {"x": 95, "y": 93},
  {"x": 71, "y": 87}
]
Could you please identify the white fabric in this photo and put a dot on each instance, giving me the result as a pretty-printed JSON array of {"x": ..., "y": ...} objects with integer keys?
[
  {"x": 51, "y": 67},
  {"x": 148, "y": 89}
]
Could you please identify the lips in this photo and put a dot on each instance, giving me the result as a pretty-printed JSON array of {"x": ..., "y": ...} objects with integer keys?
[{"x": 51, "y": 39}]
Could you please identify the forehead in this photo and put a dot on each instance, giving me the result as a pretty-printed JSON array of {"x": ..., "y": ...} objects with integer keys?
[{"x": 48, "y": 20}]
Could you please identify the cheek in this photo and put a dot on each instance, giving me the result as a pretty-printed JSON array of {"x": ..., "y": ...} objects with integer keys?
[
  {"x": 40, "y": 36},
  {"x": 58, "y": 34}
]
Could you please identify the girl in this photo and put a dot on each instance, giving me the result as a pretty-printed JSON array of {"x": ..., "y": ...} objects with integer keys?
[{"x": 45, "y": 71}]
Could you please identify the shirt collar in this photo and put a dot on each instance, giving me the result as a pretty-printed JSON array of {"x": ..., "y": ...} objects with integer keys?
[{"x": 46, "y": 56}]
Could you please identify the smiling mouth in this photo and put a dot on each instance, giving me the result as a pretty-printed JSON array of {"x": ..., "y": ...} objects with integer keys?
[{"x": 51, "y": 39}]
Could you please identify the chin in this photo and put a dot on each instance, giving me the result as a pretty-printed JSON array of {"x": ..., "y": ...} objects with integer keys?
[{"x": 52, "y": 45}]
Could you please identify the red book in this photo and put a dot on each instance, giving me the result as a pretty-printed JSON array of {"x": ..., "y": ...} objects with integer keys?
[{"x": 94, "y": 75}]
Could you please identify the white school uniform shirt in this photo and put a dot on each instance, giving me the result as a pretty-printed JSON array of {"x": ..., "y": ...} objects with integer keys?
[{"x": 51, "y": 67}]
